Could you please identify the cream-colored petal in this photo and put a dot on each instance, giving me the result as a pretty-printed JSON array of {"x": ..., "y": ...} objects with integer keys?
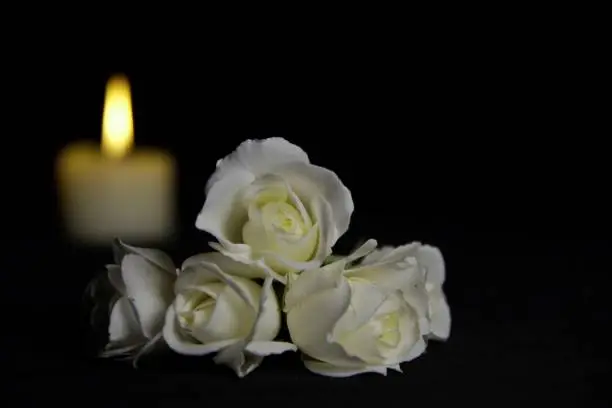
[
  {"x": 268, "y": 320},
  {"x": 182, "y": 344},
  {"x": 308, "y": 181},
  {"x": 322, "y": 213},
  {"x": 311, "y": 321},
  {"x": 204, "y": 272},
  {"x": 329, "y": 370},
  {"x": 231, "y": 318},
  {"x": 401, "y": 252},
  {"x": 374, "y": 336},
  {"x": 416, "y": 350},
  {"x": 154, "y": 256},
  {"x": 287, "y": 248},
  {"x": 298, "y": 204},
  {"x": 283, "y": 254},
  {"x": 256, "y": 235},
  {"x": 362, "y": 250},
  {"x": 247, "y": 258},
  {"x": 266, "y": 348},
  {"x": 124, "y": 326},
  {"x": 311, "y": 282},
  {"x": 193, "y": 276},
  {"x": 258, "y": 157},
  {"x": 243, "y": 357},
  {"x": 226, "y": 264},
  {"x": 236, "y": 358},
  {"x": 376, "y": 255},
  {"x": 416, "y": 296},
  {"x": 390, "y": 276},
  {"x": 150, "y": 290},
  {"x": 440, "y": 316},
  {"x": 432, "y": 260},
  {"x": 366, "y": 299},
  {"x": 223, "y": 214},
  {"x": 276, "y": 264},
  {"x": 211, "y": 289},
  {"x": 266, "y": 188},
  {"x": 409, "y": 333},
  {"x": 292, "y": 245}
]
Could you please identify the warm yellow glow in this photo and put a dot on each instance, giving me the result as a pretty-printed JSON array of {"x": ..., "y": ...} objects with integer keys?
[{"x": 117, "y": 121}]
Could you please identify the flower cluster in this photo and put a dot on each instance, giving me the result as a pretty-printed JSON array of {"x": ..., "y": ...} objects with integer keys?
[{"x": 276, "y": 218}]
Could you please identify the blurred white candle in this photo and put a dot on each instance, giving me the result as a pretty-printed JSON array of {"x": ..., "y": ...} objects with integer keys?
[{"x": 119, "y": 191}]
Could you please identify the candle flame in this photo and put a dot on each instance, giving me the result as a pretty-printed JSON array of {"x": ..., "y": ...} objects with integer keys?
[{"x": 117, "y": 121}]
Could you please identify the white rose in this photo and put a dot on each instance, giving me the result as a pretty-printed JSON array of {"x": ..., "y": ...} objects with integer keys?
[
  {"x": 348, "y": 325},
  {"x": 219, "y": 309},
  {"x": 144, "y": 280},
  {"x": 267, "y": 205},
  {"x": 425, "y": 264}
]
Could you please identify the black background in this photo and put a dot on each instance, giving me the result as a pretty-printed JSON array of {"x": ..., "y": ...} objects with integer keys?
[{"x": 489, "y": 154}]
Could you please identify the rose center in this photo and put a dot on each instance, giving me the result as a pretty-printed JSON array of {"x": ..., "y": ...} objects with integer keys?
[
  {"x": 197, "y": 310},
  {"x": 283, "y": 217},
  {"x": 389, "y": 329}
]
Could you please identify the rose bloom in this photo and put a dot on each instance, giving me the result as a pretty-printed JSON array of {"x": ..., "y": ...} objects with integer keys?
[
  {"x": 220, "y": 309},
  {"x": 351, "y": 317},
  {"x": 267, "y": 205},
  {"x": 143, "y": 281},
  {"x": 426, "y": 264}
]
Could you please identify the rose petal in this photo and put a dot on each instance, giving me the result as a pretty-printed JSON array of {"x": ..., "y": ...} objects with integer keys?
[
  {"x": 268, "y": 320},
  {"x": 401, "y": 257},
  {"x": 298, "y": 204},
  {"x": 147, "y": 348},
  {"x": 308, "y": 181},
  {"x": 416, "y": 350},
  {"x": 401, "y": 252},
  {"x": 431, "y": 258},
  {"x": 267, "y": 188},
  {"x": 359, "y": 332},
  {"x": 329, "y": 370},
  {"x": 243, "y": 253},
  {"x": 398, "y": 268},
  {"x": 227, "y": 265},
  {"x": 363, "y": 250},
  {"x": 205, "y": 272},
  {"x": 223, "y": 214},
  {"x": 322, "y": 215},
  {"x": 245, "y": 257},
  {"x": 366, "y": 299},
  {"x": 150, "y": 289},
  {"x": 410, "y": 334},
  {"x": 388, "y": 275},
  {"x": 180, "y": 343},
  {"x": 238, "y": 359},
  {"x": 301, "y": 248},
  {"x": 440, "y": 317},
  {"x": 232, "y": 317},
  {"x": 258, "y": 157},
  {"x": 311, "y": 320},
  {"x": 311, "y": 282},
  {"x": 418, "y": 299},
  {"x": 376, "y": 255},
  {"x": 155, "y": 256},
  {"x": 124, "y": 326},
  {"x": 265, "y": 348},
  {"x": 113, "y": 350}
]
